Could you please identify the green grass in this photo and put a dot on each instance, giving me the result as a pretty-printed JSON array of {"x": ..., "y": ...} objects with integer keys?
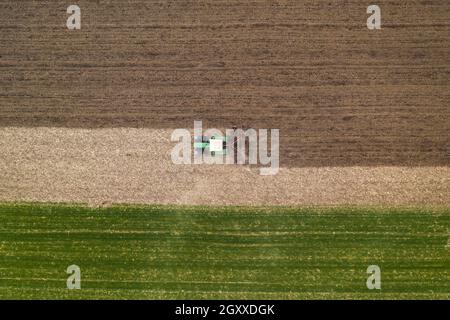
[{"x": 159, "y": 252}]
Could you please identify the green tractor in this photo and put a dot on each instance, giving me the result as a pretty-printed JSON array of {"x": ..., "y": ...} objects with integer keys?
[{"x": 215, "y": 145}]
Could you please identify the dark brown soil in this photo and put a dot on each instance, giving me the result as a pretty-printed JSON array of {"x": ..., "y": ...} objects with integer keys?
[{"x": 341, "y": 95}]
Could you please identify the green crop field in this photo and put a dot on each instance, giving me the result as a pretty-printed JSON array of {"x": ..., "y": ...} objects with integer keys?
[{"x": 168, "y": 252}]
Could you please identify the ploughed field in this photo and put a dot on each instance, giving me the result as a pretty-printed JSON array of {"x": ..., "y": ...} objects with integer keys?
[
  {"x": 156, "y": 252},
  {"x": 342, "y": 95}
]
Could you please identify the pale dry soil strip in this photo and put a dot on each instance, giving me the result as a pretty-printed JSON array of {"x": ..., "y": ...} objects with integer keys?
[{"x": 102, "y": 166}]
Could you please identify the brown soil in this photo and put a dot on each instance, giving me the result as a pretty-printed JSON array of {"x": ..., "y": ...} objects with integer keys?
[
  {"x": 122, "y": 165},
  {"x": 342, "y": 95}
]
